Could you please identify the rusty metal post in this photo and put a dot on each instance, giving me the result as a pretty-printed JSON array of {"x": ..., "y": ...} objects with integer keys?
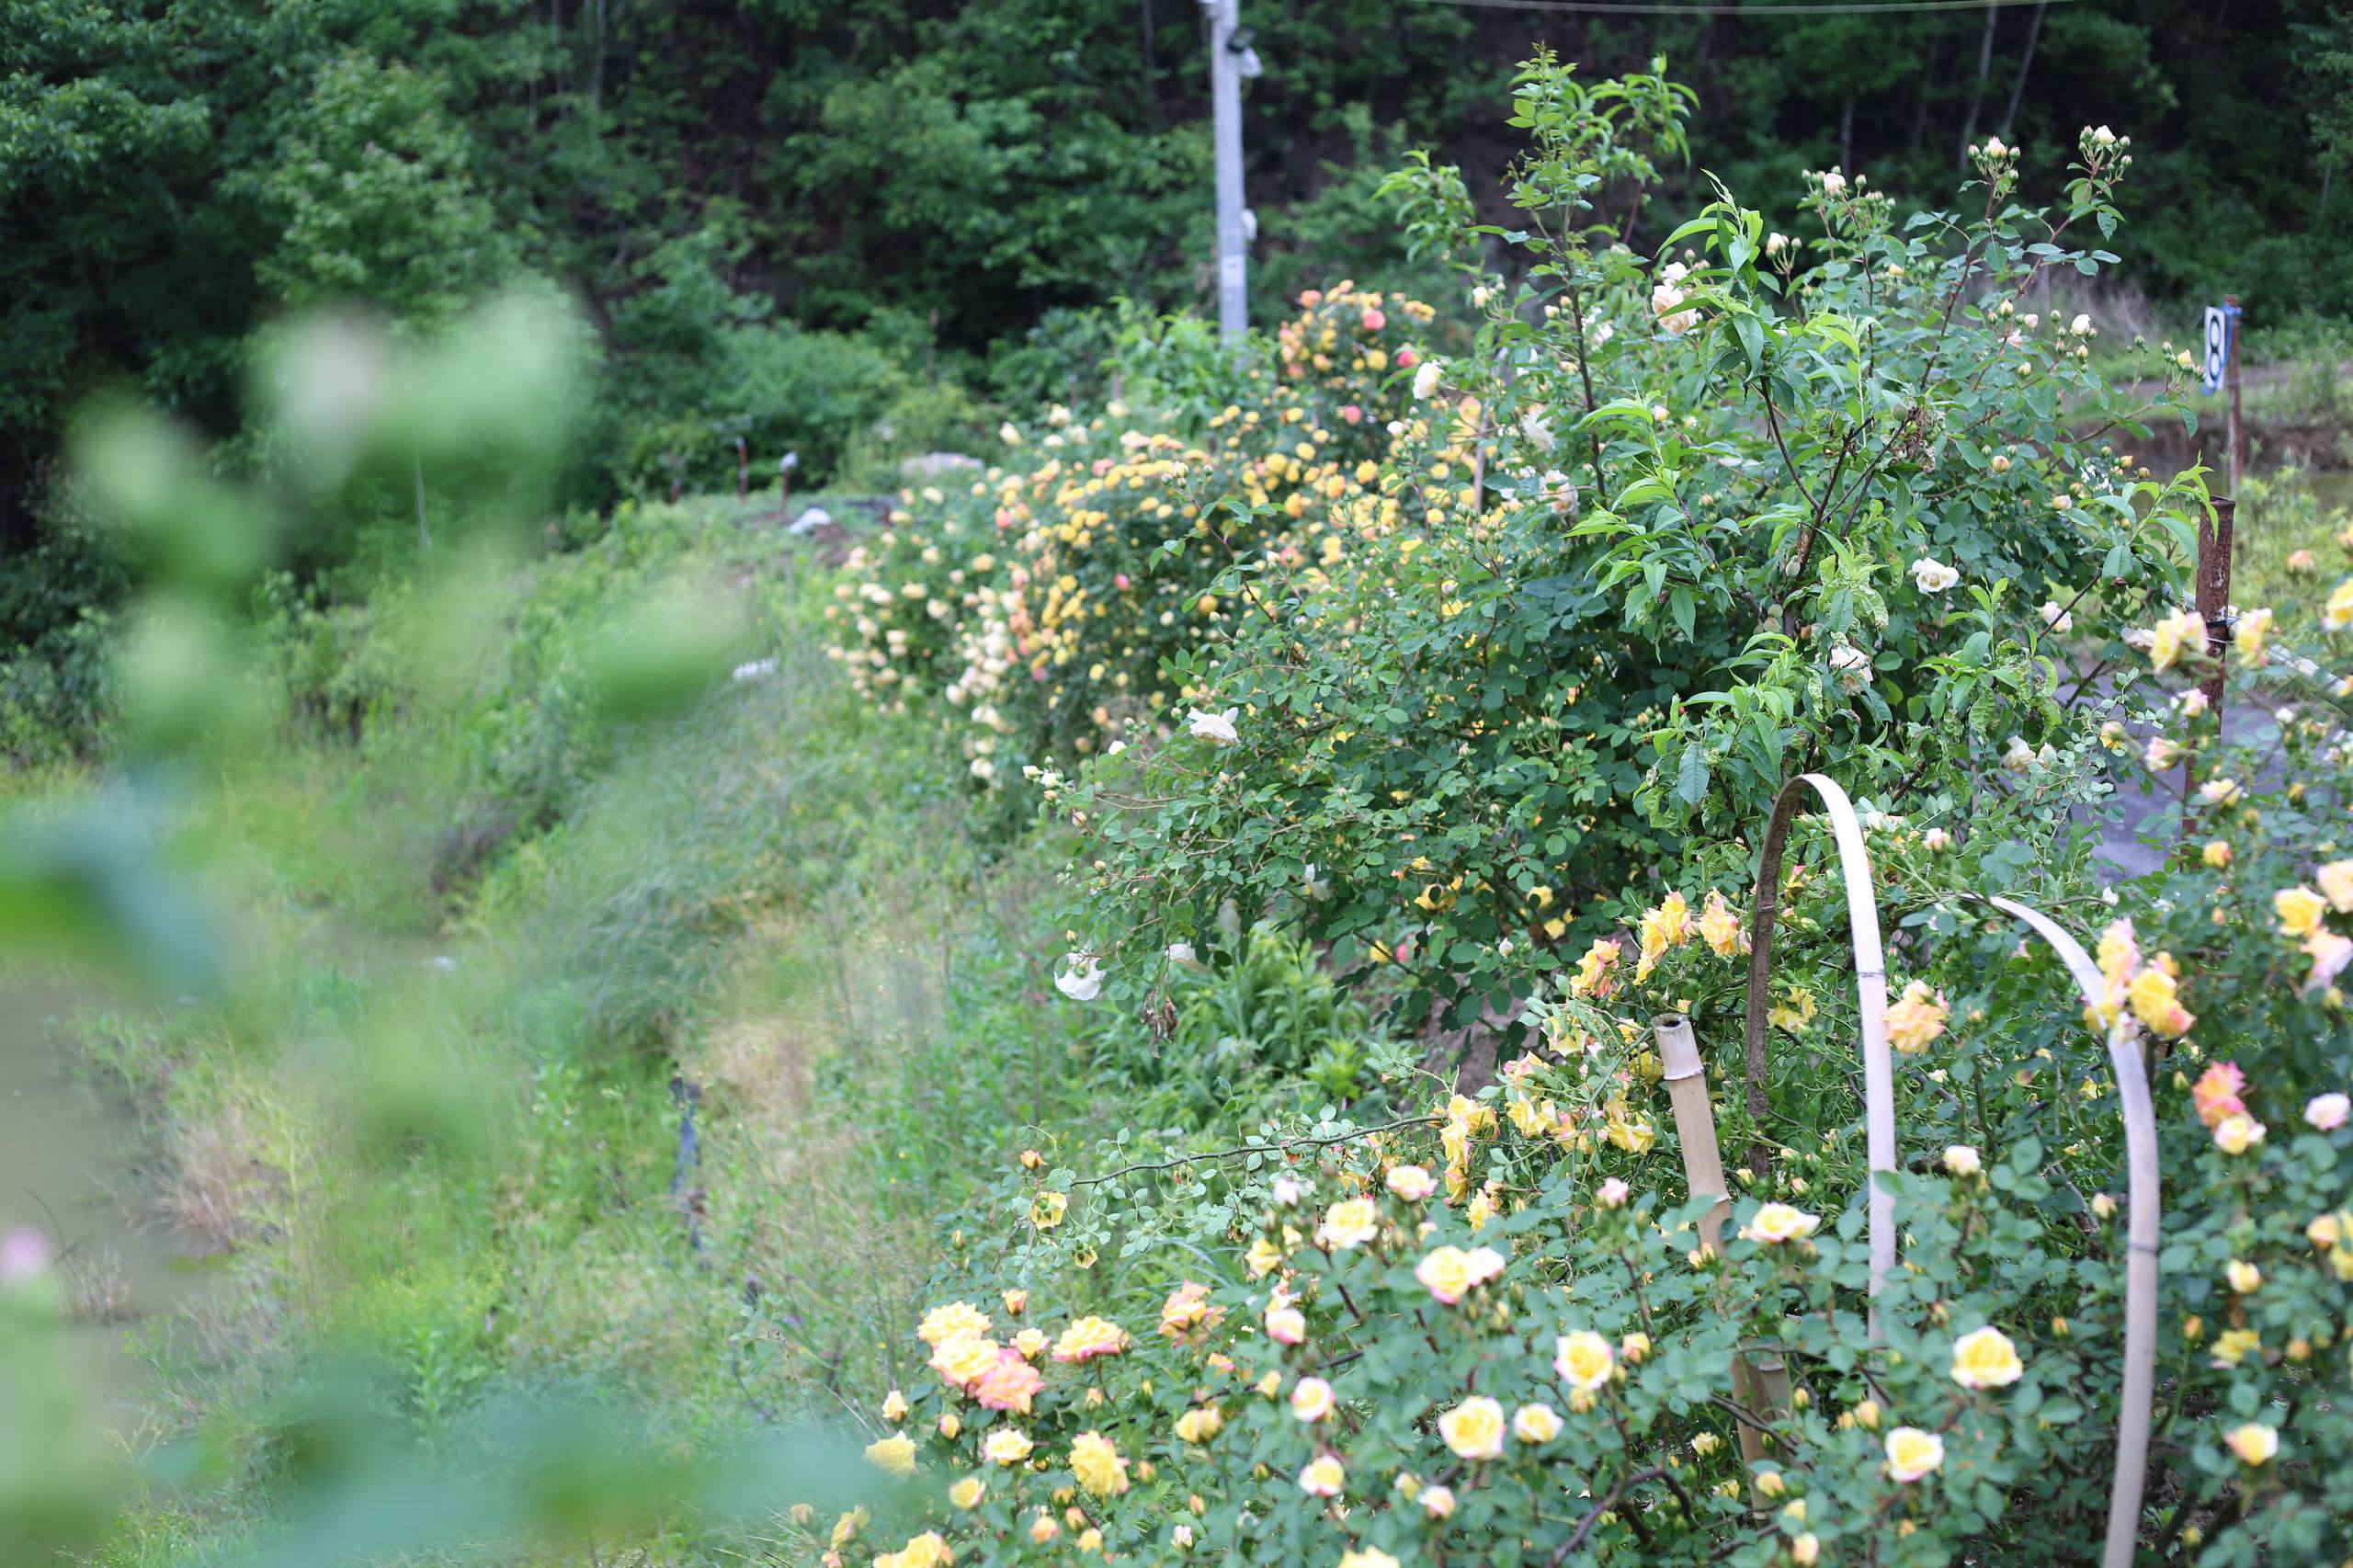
[
  {"x": 2215, "y": 536},
  {"x": 2234, "y": 444}
]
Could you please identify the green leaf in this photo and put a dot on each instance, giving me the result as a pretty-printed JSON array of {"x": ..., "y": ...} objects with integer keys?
[{"x": 1691, "y": 775}]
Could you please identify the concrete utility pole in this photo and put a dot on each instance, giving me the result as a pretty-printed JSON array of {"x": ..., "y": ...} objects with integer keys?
[{"x": 1226, "y": 63}]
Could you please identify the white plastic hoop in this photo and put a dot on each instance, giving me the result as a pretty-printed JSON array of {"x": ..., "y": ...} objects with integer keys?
[
  {"x": 1871, "y": 986},
  {"x": 2144, "y": 1223}
]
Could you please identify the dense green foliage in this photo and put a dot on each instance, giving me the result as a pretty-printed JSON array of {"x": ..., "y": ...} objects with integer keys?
[{"x": 945, "y": 180}]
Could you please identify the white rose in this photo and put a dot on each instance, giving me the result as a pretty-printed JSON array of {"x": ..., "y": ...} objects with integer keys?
[
  {"x": 1932, "y": 575},
  {"x": 1427, "y": 378},
  {"x": 1216, "y": 728},
  {"x": 1083, "y": 982}
]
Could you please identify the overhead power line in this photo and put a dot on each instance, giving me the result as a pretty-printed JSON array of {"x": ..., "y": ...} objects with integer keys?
[{"x": 1668, "y": 8}]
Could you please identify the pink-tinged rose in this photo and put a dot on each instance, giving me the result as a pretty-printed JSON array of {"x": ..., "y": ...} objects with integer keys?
[
  {"x": 1120, "y": 579},
  {"x": 23, "y": 1253},
  {"x": 1407, "y": 359},
  {"x": 2329, "y": 953},
  {"x": 1309, "y": 298},
  {"x": 1374, "y": 321},
  {"x": 2328, "y": 1112},
  {"x": 1010, "y": 1384},
  {"x": 1614, "y": 1193},
  {"x": 1352, "y": 414},
  {"x": 1286, "y": 1325},
  {"x": 2216, "y": 1093}
]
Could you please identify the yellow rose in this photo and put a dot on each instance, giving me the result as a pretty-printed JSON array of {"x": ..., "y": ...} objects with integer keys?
[
  {"x": 1583, "y": 1360},
  {"x": 2218, "y": 854},
  {"x": 2335, "y": 880},
  {"x": 1475, "y": 1428},
  {"x": 925, "y": 1551},
  {"x": 954, "y": 1321},
  {"x": 964, "y": 1360},
  {"x": 1199, "y": 1424},
  {"x": 2156, "y": 1002},
  {"x": 1007, "y": 1446},
  {"x": 2244, "y": 1277},
  {"x": 1777, "y": 1223},
  {"x": 1096, "y": 1465},
  {"x": 2254, "y": 1443},
  {"x": 1446, "y": 1274},
  {"x": 1911, "y": 1454},
  {"x": 2237, "y": 1133},
  {"x": 2324, "y": 1233},
  {"x": 1984, "y": 1358},
  {"x": 2248, "y": 635},
  {"x": 1915, "y": 1019},
  {"x": 1370, "y": 1557},
  {"x": 1089, "y": 1338},
  {"x": 967, "y": 1493},
  {"x": 2235, "y": 1345},
  {"x": 1634, "y": 1135},
  {"x": 2300, "y": 910},
  {"x": 2337, "y": 614},
  {"x": 2176, "y": 634},
  {"x": 895, "y": 1406},
  {"x": 1322, "y": 1477},
  {"x": 1046, "y": 1209},
  {"x": 1350, "y": 1223},
  {"x": 1719, "y": 926},
  {"x": 1805, "y": 1550},
  {"x": 1535, "y": 1424},
  {"x": 896, "y": 1454}
]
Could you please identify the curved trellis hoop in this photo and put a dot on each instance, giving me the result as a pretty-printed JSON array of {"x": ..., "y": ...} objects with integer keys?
[
  {"x": 1871, "y": 985},
  {"x": 2143, "y": 1222}
]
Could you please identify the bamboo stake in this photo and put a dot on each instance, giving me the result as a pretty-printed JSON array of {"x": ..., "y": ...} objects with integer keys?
[{"x": 1760, "y": 1379}]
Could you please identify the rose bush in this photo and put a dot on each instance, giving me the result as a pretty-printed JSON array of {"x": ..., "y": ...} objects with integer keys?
[
  {"x": 1498, "y": 746},
  {"x": 1669, "y": 535},
  {"x": 1042, "y": 602}
]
